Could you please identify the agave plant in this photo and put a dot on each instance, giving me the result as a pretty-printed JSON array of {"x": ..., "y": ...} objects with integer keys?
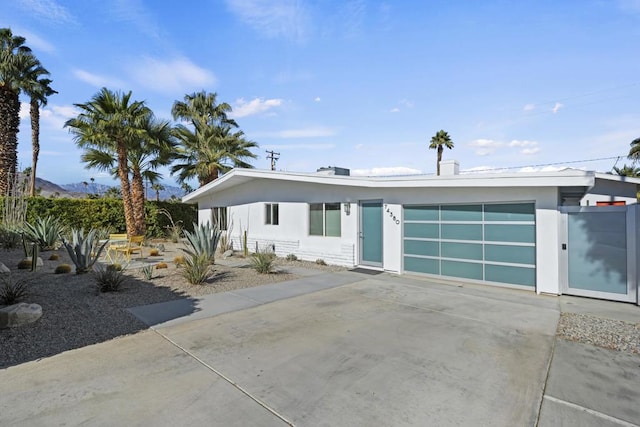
[
  {"x": 44, "y": 231},
  {"x": 202, "y": 242},
  {"x": 83, "y": 251}
]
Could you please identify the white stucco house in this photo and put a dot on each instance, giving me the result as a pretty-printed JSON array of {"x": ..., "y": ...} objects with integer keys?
[{"x": 565, "y": 232}]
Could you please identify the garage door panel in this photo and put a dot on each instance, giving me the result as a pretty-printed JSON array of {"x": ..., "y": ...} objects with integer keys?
[
  {"x": 462, "y": 250},
  {"x": 462, "y": 231},
  {"x": 422, "y": 265},
  {"x": 512, "y": 275},
  {"x": 510, "y": 212},
  {"x": 510, "y": 233},
  {"x": 465, "y": 270},
  {"x": 422, "y": 213},
  {"x": 461, "y": 213},
  {"x": 510, "y": 253},
  {"x": 421, "y": 247},
  {"x": 422, "y": 230}
]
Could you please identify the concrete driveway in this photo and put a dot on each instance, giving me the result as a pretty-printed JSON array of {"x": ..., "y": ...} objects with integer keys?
[{"x": 377, "y": 350}]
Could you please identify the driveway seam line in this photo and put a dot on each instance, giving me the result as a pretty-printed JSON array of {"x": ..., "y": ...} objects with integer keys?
[
  {"x": 546, "y": 378},
  {"x": 227, "y": 379},
  {"x": 591, "y": 412}
]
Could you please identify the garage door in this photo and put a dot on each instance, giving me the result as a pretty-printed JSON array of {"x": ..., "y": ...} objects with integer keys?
[{"x": 484, "y": 242}]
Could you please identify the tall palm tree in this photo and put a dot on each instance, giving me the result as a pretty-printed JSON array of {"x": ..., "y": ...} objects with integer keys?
[
  {"x": 157, "y": 187},
  {"x": 111, "y": 123},
  {"x": 440, "y": 140},
  {"x": 17, "y": 64},
  {"x": 209, "y": 145},
  {"x": 39, "y": 90},
  {"x": 629, "y": 171},
  {"x": 634, "y": 152}
]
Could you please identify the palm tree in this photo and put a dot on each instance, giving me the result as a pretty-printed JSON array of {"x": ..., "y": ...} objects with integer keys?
[
  {"x": 634, "y": 152},
  {"x": 157, "y": 187},
  {"x": 629, "y": 171},
  {"x": 17, "y": 66},
  {"x": 210, "y": 145},
  {"x": 38, "y": 90},
  {"x": 110, "y": 123},
  {"x": 440, "y": 140}
]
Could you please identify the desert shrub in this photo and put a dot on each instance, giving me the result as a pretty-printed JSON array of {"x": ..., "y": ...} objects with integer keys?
[
  {"x": 161, "y": 265},
  {"x": 320, "y": 261},
  {"x": 154, "y": 252},
  {"x": 9, "y": 238},
  {"x": 108, "y": 279},
  {"x": 262, "y": 261},
  {"x": 24, "y": 264},
  {"x": 62, "y": 269},
  {"x": 179, "y": 260},
  {"x": 196, "y": 269},
  {"x": 115, "y": 266},
  {"x": 202, "y": 242},
  {"x": 12, "y": 290},
  {"x": 147, "y": 272},
  {"x": 44, "y": 231},
  {"x": 83, "y": 250},
  {"x": 291, "y": 257},
  {"x": 54, "y": 257}
]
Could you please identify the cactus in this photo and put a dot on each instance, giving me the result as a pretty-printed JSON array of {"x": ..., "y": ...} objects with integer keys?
[
  {"x": 82, "y": 250},
  {"x": 203, "y": 241},
  {"x": 44, "y": 231},
  {"x": 62, "y": 269}
]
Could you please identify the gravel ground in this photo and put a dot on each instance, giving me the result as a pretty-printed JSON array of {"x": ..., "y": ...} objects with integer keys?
[
  {"x": 75, "y": 315},
  {"x": 606, "y": 333}
]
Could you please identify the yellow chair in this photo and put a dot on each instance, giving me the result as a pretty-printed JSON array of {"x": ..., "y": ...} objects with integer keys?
[
  {"x": 115, "y": 241},
  {"x": 133, "y": 245}
]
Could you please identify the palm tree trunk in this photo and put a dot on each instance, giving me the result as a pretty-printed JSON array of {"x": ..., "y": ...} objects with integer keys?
[
  {"x": 9, "y": 126},
  {"x": 213, "y": 175},
  {"x": 123, "y": 173},
  {"x": 137, "y": 194},
  {"x": 440, "y": 150},
  {"x": 35, "y": 142}
]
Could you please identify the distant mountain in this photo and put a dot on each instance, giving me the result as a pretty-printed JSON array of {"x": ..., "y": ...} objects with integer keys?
[{"x": 93, "y": 188}]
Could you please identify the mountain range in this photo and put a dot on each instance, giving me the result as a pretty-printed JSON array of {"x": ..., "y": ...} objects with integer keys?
[{"x": 81, "y": 189}]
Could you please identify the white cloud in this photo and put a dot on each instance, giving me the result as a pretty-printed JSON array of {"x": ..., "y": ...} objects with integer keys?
[
  {"x": 243, "y": 108},
  {"x": 47, "y": 10},
  {"x": 97, "y": 80},
  {"x": 317, "y": 99},
  {"x": 56, "y": 115},
  {"x": 542, "y": 169},
  {"x": 394, "y": 110},
  {"x": 557, "y": 107},
  {"x": 529, "y": 107},
  {"x": 479, "y": 169},
  {"x": 526, "y": 147},
  {"x": 484, "y": 147},
  {"x": 311, "y": 132},
  {"x": 386, "y": 171},
  {"x": 24, "y": 110},
  {"x": 282, "y": 147},
  {"x": 35, "y": 42},
  {"x": 274, "y": 18},
  {"x": 177, "y": 75}
]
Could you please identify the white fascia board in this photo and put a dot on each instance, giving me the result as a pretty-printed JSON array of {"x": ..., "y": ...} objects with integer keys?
[
  {"x": 617, "y": 178},
  {"x": 564, "y": 178}
]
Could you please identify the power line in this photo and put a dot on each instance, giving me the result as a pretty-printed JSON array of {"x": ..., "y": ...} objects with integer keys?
[
  {"x": 273, "y": 157},
  {"x": 551, "y": 164}
]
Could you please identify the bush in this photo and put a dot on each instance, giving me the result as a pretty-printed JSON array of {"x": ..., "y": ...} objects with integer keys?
[
  {"x": 45, "y": 231},
  {"x": 25, "y": 264},
  {"x": 62, "y": 269},
  {"x": 196, "y": 269},
  {"x": 12, "y": 290},
  {"x": 108, "y": 279},
  {"x": 54, "y": 257},
  {"x": 320, "y": 261},
  {"x": 9, "y": 239},
  {"x": 262, "y": 261},
  {"x": 179, "y": 260},
  {"x": 291, "y": 257},
  {"x": 154, "y": 252},
  {"x": 161, "y": 265}
]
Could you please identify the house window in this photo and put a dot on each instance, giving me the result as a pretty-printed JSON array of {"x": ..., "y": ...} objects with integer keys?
[
  {"x": 271, "y": 213},
  {"x": 219, "y": 217},
  {"x": 324, "y": 219}
]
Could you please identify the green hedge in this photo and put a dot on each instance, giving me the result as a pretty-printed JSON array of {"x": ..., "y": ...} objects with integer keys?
[{"x": 108, "y": 213}]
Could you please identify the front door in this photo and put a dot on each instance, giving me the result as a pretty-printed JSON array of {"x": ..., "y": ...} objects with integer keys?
[
  {"x": 371, "y": 233},
  {"x": 598, "y": 252}
]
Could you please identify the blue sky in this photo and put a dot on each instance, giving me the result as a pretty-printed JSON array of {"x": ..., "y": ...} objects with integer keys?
[{"x": 357, "y": 83}]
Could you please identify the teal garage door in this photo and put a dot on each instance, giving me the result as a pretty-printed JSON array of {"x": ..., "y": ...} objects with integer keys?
[{"x": 485, "y": 242}]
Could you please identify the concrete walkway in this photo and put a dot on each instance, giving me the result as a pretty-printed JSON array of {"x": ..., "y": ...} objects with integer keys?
[{"x": 339, "y": 349}]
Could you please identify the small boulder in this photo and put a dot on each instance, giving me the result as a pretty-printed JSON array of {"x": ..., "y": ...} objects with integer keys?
[
  {"x": 227, "y": 254},
  {"x": 19, "y": 314},
  {"x": 4, "y": 268}
]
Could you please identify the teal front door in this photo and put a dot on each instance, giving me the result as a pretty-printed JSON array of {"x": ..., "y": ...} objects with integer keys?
[{"x": 371, "y": 233}]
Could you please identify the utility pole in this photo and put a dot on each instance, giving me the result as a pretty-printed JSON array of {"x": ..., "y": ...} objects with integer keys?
[{"x": 273, "y": 157}]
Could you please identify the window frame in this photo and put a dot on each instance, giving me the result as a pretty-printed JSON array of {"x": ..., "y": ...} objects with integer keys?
[
  {"x": 334, "y": 207},
  {"x": 271, "y": 214},
  {"x": 220, "y": 217}
]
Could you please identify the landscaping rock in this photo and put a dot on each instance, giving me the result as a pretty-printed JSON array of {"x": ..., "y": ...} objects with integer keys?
[
  {"x": 39, "y": 262},
  {"x": 227, "y": 254},
  {"x": 4, "y": 268},
  {"x": 19, "y": 314}
]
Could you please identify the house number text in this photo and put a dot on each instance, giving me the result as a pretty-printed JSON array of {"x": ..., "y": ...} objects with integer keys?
[{"x": 392, "y": 215}]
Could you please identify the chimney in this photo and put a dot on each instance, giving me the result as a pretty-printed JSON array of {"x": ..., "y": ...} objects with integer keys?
[{"x": 449, "y": 167}]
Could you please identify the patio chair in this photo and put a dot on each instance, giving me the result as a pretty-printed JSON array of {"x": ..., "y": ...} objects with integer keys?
[
  {"x": 133, "y": 245},
  {"x": 115, "y": 241}
]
